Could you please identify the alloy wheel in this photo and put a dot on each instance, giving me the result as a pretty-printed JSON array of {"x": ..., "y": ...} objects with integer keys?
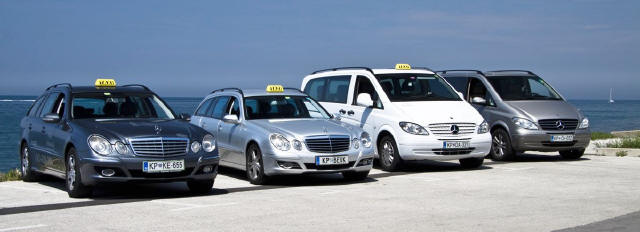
[
  {"x": 25, "y": 160},
  {"x": 254, "y": 169},
  {"x": 71, "y": 172}
]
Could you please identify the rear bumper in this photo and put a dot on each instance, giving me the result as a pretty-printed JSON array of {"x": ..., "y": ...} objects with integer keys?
[
  {"x": 130, "y": 170},
  {"x": 539, "y": 140}
]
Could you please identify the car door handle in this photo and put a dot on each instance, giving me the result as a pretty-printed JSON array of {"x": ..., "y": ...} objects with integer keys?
[
  {"x": 44, "y": 130},
  {"x": 29, "y": 126},
  {"x": 350, "y": 112},
  {"x": 342, "y": 111}
]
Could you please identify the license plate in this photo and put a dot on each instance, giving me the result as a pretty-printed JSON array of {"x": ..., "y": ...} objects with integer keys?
[
  {"x": 163, "y": 166},
  {"x": 455, "y": 144},
  {"x": 332, "y": 160},
  {"x": 561, "y": 138}
]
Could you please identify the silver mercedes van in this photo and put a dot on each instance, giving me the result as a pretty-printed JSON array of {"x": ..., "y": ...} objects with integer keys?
[{"x": 523, "y": 111}]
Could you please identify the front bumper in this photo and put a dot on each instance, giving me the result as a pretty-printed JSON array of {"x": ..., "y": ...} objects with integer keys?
[
  {"x": 129, "y": 169},
  {"x": 430, "y": 147},
  {"x": 540, "y": 140},
  {"x": 359, "y": 161}
]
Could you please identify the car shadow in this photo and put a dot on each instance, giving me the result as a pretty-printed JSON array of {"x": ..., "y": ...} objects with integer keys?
[
  {"x": 532, "y": 157},
  {"x": 295, "y": 180},
  {"x": 416, "y": 166}
]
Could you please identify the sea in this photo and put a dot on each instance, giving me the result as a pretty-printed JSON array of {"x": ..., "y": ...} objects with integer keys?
[{"x": 603, "y": 116}]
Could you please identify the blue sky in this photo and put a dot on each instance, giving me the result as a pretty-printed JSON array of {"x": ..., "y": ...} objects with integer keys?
[{"x": 187, "y": 48}]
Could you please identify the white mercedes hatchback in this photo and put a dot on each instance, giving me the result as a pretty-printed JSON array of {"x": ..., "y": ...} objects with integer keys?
[{"x": 411, "y": 114}]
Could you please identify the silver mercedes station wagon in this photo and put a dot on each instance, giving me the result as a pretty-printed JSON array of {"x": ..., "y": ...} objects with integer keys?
[{"x": 282, "y": 131}]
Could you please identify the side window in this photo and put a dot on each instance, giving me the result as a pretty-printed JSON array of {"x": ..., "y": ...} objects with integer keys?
[
  {"x": 337, "y": 89},
  {"x": 478, "y": 89},
  {"x": 202, "y": 110},
  {"x": 538, "y": 89},
  {"x": 460, "y": 84},
  {"x": 50, "y": 105},
  {"x": 234, "y": 107},
  {"x": 315, "y": 88},
  {"x": 36, "y": 105},
  {"x": 220, "y": 107},
  {"x": 364, "y": 85}
]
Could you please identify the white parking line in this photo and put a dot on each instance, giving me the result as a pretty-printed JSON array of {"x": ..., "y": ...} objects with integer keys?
[
  {"x": 22, "y": 228},
  {"x": 514, "y": 169},
  {"x": 188, "y": 206}
]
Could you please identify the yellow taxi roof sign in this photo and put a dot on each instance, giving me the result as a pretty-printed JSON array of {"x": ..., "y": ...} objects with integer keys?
[
  {"x": 105, "y": 83},
  {"x": 403, "y": 67},
  {"x": 275, "y": 89}
]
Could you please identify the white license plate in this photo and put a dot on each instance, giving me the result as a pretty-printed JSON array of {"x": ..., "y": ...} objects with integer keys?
[
  {"x": 455, "y": 144},
  {"x": 163, "y": 166},
  {"x": 561, "y": 138},
  {"x": 332, "y": 160}
]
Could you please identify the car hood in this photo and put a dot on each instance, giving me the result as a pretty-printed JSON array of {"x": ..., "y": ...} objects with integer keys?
[
  {"x": 428, "y": 112},
  {"x": 307, "y": 127},
  {"x": 538, "y": 110},
  {"x": 127, "y": 129}
]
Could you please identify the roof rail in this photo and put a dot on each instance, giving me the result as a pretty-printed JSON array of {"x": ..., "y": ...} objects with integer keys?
[
  {"x": 525, "y": 71},
  {"x": 342, "y": 68},
  {"x": 137, "y": 85},
  {"x": 229, "y": 89},
  {"x": 461, "y": 70},
  {"x": 60, "y": 84}
]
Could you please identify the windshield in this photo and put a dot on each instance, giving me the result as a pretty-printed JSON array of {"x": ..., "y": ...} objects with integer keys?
[
  {"x": 119, "y": 105},
  {"x": 517, "y": 88},
  {"x": 279, "y": 106},
  {"x": 416, "y": 87}
]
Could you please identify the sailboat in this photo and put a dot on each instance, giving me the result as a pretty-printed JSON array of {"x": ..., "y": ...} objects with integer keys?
[{"x": 611, "y": 96}]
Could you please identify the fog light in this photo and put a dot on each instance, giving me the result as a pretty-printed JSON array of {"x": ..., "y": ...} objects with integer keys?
[
  {"x": 108, "y": 172},
  {"x": 288, "y": 165},
  {"x": 364, "y": 162},
  {"x": 207, "y": 169}
]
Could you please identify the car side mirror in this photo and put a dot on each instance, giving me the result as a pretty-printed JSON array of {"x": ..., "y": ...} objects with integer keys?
[
  {"x": 460, "y": 94},
  {"x": 478, "y": 100},
  {"x": 364, "y": 99},
  {"x": 336, "y": 117},
  {"x": 231, "y": 118},
  {"x": 51, "y": 118},
  {"x": 185, "y": 116}
]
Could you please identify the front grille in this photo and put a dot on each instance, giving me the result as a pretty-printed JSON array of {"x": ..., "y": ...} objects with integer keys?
[
  {"x": 453, "y": 151},
  {"x": 329, "y": 167},
  {"x": 445, "y": 128},
  {"x": 140, "y": 174},
  {"x": 328, "y": 143},
  {"x": 558, "y": 124},
  {"x": 159, "y": 147}
]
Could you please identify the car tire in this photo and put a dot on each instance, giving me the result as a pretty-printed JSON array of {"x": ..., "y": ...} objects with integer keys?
[
  {"x": 390, "y": 159},
  {"x": 355, "y": 176},
  {"x": 200, "y": 186},
  {"x": 501, "y": 149},
  {"x": 470, "y": 163},
  {"x": 74, "y": 185},
  {"x": 27, "y": 174},
  {"x": 572, "y": 154},
  {"x": 254, "y": 166}
]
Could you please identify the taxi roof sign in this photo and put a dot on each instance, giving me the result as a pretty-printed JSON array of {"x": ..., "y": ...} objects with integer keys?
[
  {"x": 275, "y": 89},
  {"x": 105, "y": 83},
  {"x": 403, "y": 67}
]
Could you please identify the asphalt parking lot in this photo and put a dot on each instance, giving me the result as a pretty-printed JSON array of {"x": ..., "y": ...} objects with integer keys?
[{"x": 538, "y": 192}]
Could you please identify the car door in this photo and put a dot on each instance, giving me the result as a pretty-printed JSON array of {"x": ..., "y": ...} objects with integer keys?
[
  {"x": 360, "y": 115},
  {"x": 212, "y": 122},
  {"x": 44, "y": 136},
  {"x": 478, "y": 89},
  {"x": 332, "y": 92},
  {"x": 32, "y": 124},
  {"x": 230, "y": 135},
  {"x": 58, "y": 133}
]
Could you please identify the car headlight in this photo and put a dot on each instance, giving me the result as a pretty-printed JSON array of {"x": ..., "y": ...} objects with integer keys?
[
  {"x": 297, "y": 145},
  {"x": 584, "y": 124},
  {"x": 121, "y": 148},
  {"x": 195, "y": 146},
  {"x": 483, "y": 128},
  {"x": 524, "y": 123},
  {"x": 280, "y": 142},
  {"x": 208, "y": 143},
  {"x": 355, "y": 142},
  {"x": 365, "y": 139},
  {"x": 413, "y": 128},
  {"x": 99, "y": 144}
]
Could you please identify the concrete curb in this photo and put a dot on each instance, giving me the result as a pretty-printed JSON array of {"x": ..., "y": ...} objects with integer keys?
[{"x": 614, "y": 151}]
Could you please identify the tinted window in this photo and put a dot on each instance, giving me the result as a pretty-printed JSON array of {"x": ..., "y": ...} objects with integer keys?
[
  {"x": 517, "y": 88},
  {"x": 220, "y": 107},
  {"x": 202, "y": 110},
  {"x": 478, "y": 89},
  {"x": 50, "y": 104},
  {"x": 416, "y": 87},
  {"x": 119, "y": 105},
  {"x": 459, "y": 83},
  {"x": 364, "y": 85},
  {"x": 234, "y": 107},
  {"x": 34, "y": 108},
  {"x": 278, "y": 106},
  {"x": 329, "y": 89}
]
